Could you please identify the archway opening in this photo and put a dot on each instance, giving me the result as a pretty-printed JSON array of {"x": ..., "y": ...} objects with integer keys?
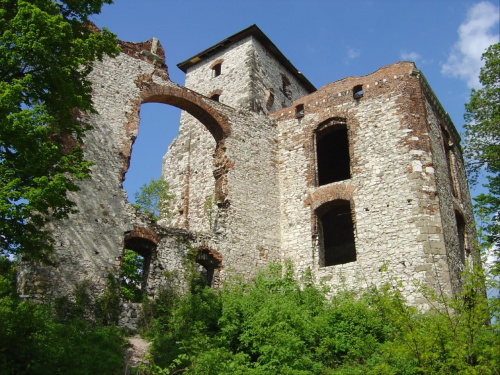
[
  {"x": 158, "y": 126},
  {"x": 208, "y": 265},
  {"x": 137, "y": 254}
]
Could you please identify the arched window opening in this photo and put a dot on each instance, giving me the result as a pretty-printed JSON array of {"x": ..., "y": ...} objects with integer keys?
[
  {"x": 207, "y": 264},
  {"x": 135, "y": 268},
  {"x": 332, "y": 151},
  {"x": 462, "y": 236},
  {"x": 190, "y": 179},
  {"x": 336, "y": 234},
  {"x": 159, "y": 125}
]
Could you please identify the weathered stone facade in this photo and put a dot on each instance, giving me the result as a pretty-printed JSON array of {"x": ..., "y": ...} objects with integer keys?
[{"x": 246, "y": 174}]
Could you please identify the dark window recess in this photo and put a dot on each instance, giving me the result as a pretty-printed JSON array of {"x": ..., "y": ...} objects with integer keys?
[
  {"x": 145, "y": 249},
  {"x": 337, "y": 234},
  {"x": 207, "y": 265},
  {"x": 332, "y": 148},
  {"x": 215, "y": 97},
  {"x": 285, "y": 87},
  {"x": 461, "y": 235},
  {"x": 217, "y": 69},
  {"x": 450, "y": 161},
  {"x": 357, "y": 92},
  {"x": 269, "y": 97},
  {"x": 299, "y": 111}
]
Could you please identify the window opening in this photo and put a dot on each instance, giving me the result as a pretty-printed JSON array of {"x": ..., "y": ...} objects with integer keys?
[
  {"x": 215, "y": 97},
  {"x": 462, "y": 238},
  {"x": 135, "y": 268},
  {"x": 217, "y": 69},
  {"x": 285, "y": 87},
  {"x": 450, "y": 161},
  {"x": 299, "y": 111},
  {"x": 336, "y": 234},
  {"x": 332, "y": 151},
  {"x": 357, "y": 92},
  {"x": 207, "y": 265},
  {"x": 269, "y": 98}
]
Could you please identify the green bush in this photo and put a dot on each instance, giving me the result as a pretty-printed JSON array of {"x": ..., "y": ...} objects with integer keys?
[
  {"x": 53, "y": 339},
  {"x": 278, "y": 325}
]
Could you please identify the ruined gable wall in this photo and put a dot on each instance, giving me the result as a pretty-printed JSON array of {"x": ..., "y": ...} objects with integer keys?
[
  {"x": 392, "y": 185},
  {"x": 89, "y": 243}
]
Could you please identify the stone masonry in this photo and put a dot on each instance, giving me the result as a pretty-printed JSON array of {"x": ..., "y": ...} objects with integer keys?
[{"x": 249, "y": 185}]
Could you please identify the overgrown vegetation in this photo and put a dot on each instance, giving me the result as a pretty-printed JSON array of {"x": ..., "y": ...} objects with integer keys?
[
  {"x": 278, "y": 325},
  {"x": 65, "y": 336}
]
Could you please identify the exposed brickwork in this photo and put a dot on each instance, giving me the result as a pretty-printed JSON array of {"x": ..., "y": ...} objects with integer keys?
[{"x": 145, "y": 233}]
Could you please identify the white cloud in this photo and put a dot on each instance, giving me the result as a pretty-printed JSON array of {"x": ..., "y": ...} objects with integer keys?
[
  {"x": 475, "y": 34},
  {"x": 409, "y": 56},
  {"x": 352, "y": 53}
]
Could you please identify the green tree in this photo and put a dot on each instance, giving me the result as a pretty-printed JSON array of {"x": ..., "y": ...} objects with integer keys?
[
  {"x": 153, "y": 198},
  {"x": 482, "y": 146},
  {"x": 47, "y": 49},
  {"x": 131, "y": 276}
]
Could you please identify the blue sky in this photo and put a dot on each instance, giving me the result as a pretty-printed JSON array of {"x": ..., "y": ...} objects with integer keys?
[{"x": 326, "y": 40}]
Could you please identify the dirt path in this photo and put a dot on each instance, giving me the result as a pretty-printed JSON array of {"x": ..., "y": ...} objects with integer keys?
[{"x": 136, "y": 352}]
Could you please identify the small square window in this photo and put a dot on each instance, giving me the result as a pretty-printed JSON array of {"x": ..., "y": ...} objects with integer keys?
[
  {"x": 357, "y": 92},
  {"x": 217, "y": 70},
  {"x": 299, "y": 111}
]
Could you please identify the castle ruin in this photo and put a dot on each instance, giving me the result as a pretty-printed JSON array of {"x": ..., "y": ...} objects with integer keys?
[{"x": 359, "y": 181}]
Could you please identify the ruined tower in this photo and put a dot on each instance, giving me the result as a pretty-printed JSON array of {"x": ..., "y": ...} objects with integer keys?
[{"x": 360, "y": 181}]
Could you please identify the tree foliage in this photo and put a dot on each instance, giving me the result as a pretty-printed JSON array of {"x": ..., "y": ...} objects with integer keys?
[
  {"x": 482, "y": 147},
  {"x": 153, "y": 198},
  {"x": 131, "y": 276},
  {"x": 47, "y": 49}
]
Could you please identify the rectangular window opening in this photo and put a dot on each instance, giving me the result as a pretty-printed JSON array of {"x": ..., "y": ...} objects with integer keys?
[
  {"x": 337, "y": 235},
  {"x": 217, "y": 69},
  {"x": 299, "y": 111},
  {"x": 332, "y": 149}
]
